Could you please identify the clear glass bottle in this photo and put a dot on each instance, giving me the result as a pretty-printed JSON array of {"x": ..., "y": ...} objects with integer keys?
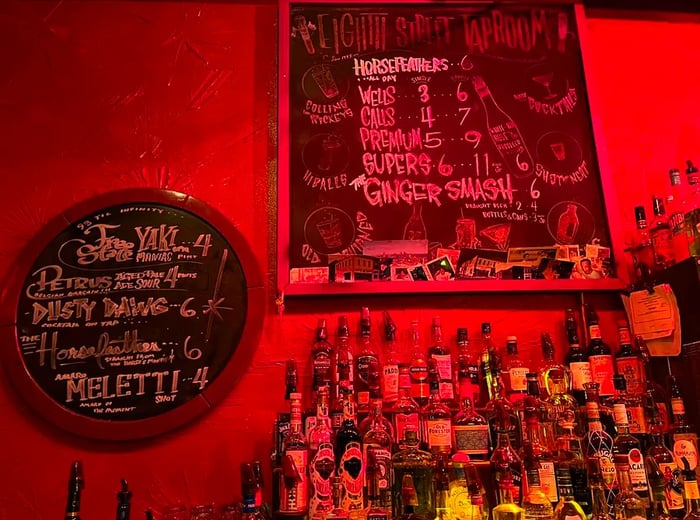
[
  {"x": 498, "y": 405},
  {"x": 692, "y": 496},
  {"x": 549, "y": 365},
  {"x": 418, "y": 368},
  {"x": 566, "y": 410},
  {"x": 677, "y": 206},
  {"x": 600, "y": 509},
  {"x": 572, "y": 475},
  {"x": 661, "y": 236},
  {"x": 441, "y": 488},
  {"x": 440, "y": 353},
  {"x": 469, "y": 429},
  {"x": 507, "y": 508},
  {"x": 636, "y": 412},
  {"x": 418, "y": 465},
  {"x": 467, "y": 494},
  {"x": 377, "y": 476},
  {"x": 685, "y": 440},
  {"x": 655, "y": 399},
  {"x": 380, "y": 441},
  {"x": 627, "y": 505},
  {"x": 536, "y": 503},
  {"x": 514, "y": 372},
  {"x": 505, "y": 462},
  {"x": 322, "y": 465},
  {"x": 406, "y": 411},
  {"x": 567, "y": 508},
  {"x": 598, "y": 444},
  {"x": 409, "y": 503},
  {"x": 376, "y": 414},
  {"x": 337, "y": 512},
  {"x": 436, "y": 417},
  {"x": 664, "y": 474},
  {"x": 535, "y": 454},
  {"x": 343, "y": 358},
  {"x": 490, "y": 364}
]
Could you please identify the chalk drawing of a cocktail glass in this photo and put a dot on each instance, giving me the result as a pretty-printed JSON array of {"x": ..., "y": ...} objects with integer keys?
[
  {"x": 329, "y": 148},
  {"x": 323, "y": 76},
  {"x": 567, "y": 225},
  {"x": 330, "y": 230},
  {"x": 546, "y": 81},
  {"x": 559, "y": 150}
]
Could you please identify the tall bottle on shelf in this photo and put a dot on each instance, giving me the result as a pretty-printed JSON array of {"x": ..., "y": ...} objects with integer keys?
[
  {"x": 343, "y": 357},
  {"x": 294, "y": 481},
  {"x": 598, "y": 444},
  {"x": 408, "y": 501},
  {"x": 440, "y": 353},
  {"x": 514, "y": 372},
  {"x": 406, "y": 412},
  {"x": 599, "y": 356},
  {"x": 390, "y": 368},
  {"x": 379, "y": 441},
  {"x": 572, "y": 477},
  {"x": 468, "y": 364},
  {"x": 349, "y": 460},
  {"x": 322, "y": 465},
  {"x": 504, "y": 461},
  {"x": 490, "y": 364},
  {"x": 418, "y": 368},
  {"x": 576, "y": 359},
  {"x": 470, "y": 429},
  {"x": 441, "y": 487},
  {"x": 123, "y": 501},
  {"x": 321, "y": 353},
  {"x": 629, "y": 362},
  {"x": 692, "y": 496},
  {"x": 436, "y": 416},
  {"x": 691, "y": 216},
  {"x": 661, "y": 236},
  {"x": 550, "y": 366},
  {"x": 627, "y": 505},
  {"x": 507, "y": 508},
  {"x": 537, "y": 456},
  {"x": 654, "y": 397},
  {"x": 378, "y": 494},
  {"x": 366, "y": 359},
  {"x": 685, "y": 440},
  {"x": 664, "y": 474},
  {"x": 677, "y": 206},
  {"x": 536, "y": 503},
  {"x": 417, "y": 464},
  {"x": 600, "y": 509},
  {"x": 75, "y": 488}
]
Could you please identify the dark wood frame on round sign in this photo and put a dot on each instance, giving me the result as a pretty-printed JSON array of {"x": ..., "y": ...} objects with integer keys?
[{"x": 51, "y": 410}]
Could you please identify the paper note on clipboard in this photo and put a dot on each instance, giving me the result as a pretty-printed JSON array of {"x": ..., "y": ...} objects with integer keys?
[{"x": 654, "y": 315}]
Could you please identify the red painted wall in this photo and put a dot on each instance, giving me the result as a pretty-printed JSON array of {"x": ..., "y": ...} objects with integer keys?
[{"x": 97, "y": 96}]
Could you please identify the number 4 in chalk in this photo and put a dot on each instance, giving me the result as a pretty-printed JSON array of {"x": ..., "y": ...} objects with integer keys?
[
  {"x": 200, "y": 377},
  {"x": 203, "y": 241}
]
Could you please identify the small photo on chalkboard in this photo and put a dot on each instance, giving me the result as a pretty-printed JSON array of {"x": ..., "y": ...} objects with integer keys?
[{"x": 418, "y": 131}]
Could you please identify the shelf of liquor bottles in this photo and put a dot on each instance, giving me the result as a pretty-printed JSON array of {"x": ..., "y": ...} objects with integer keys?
[{"x": 456, "y": 426}]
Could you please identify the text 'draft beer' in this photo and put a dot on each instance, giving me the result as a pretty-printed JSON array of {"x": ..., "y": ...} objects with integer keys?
[
  {"x": 131, "y": 312},
  {"x": 464, "y": 128}
]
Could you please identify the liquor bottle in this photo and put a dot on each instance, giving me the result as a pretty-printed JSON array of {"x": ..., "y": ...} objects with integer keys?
[
  {"x": 379, "y": 440},
  {"x": 75, "y": 487},
  {"x": 643, "y": 252},
  {"x": 566, "y": 410},
  {"x": 149, "y": 514},
  {"x": 598, "y": 444},
  {"x": 390, "y": 370},
  {"x": 626, "y": 445},
  {"x": 343, "y": 355},
  {"x": 418, "y": 368},
  {"x": 124, "y": 501},
  {"x": 636, "y": 414},
  {"x": 376, "y": 414},
  {"x": 440, "y": 353},
  {"x": 685, "y": 440},
  {"x": 436, "y": 417},
  {"x": 664, "y": 474},
  {"x": 366, "y": 357},
  {"x": 691, "y": 217},
  {"x": 468, "y": 364},
  {"x": 489, "y": 361},
  {"x": 535, "y": 454},
  {"x": 504, "y": 132},
  {"x": 549, "y": 366},
  {"x": 677, "y": 206},
  {"x": 576, "y": 359},
  {"x": 628, "y": 362},
  {"x": 344, "y": 386},
  {"x": 337, "y": 512},
  {"x": 258, "y": 478},
  {"x": 514, "y": 372},
  {"x": 498, "y": 405},
  {"x": 568, "y": 508},
  {"x": 466, "y": 498},
  {"x": 441, "y": 487},
  {"x": 661, "y": 236},
  {"x": 600, "y": 510},
  {"x": 418, "y": 465},
  {"x": 294, "y": 482},
  {"x": 349, "y": 461},
  {"x": 536, "y": 503},
  {"x": 415, "y": 227},
  {"x": 545, "y": 411},
  {"x": 378, "y": 492},
  {"x": 507, "y": 508},
  {"x": 628, "y": 505},
  {"x": 250, "y": 485},
  {"x": 408, "y": 501},
  {"x": 470, "y": 429},
  {"x": 599, "y": 356},
  {"x": 250, "y": 511},
  {"x": 322, "y": 464},
  {"x": 570, "y": 467},
  {"x": 406, "y": 412},
  {"x": 654, "y": 398},
  {"x": 692, "y": 496},
  {"x": 321, "y": 352},
  {"x": 505, "y": 462}
]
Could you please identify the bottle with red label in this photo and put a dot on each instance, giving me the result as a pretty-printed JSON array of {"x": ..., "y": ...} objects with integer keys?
[
  {"x": 576, "y": 359},
  {"x": 468, "y": 364},
  {"x": 440, "y": 353},
  {"x": 436, "y": 417},
  {"x": 599, "y": 356},
  {"x": 390, "y": 368},
  {"x": 366, "y": 358},
  {"x": 664, "y": 474},
  {"x": 294, "y": 481},
  {"x": 418, "y": 368},
  {"x": 629, "y": 362},
  {"x": 515, "y": 372},
  {"x": 406, "y": 411}
]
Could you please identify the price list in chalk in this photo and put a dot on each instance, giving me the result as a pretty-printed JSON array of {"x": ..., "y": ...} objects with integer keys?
[
  {"x": 466, "y": 126},
  {"x": 131, "y": 312}
]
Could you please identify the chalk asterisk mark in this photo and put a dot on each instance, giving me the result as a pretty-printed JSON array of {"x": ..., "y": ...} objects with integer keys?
[{"x": 213, "y": 307}]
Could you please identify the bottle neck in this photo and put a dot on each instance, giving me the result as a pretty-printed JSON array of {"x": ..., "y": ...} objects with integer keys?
[
  {"x": 593, "y": 415},
  {"x": 506, "y": 494},
  {"x": 599, "y": 505},
  {"x": 623, "y": 477}
]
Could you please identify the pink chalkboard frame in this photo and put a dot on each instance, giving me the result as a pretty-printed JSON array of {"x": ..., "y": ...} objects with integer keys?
[{"x": 286, "y": 287}]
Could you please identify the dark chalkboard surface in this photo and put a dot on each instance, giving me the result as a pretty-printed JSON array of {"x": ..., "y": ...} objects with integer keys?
[
  {"x": 131, "y": 311},
  {"x": 466, "y": 125}
]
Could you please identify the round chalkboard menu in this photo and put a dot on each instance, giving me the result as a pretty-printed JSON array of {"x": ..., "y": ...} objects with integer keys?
[{"x": 132, "y": 314}]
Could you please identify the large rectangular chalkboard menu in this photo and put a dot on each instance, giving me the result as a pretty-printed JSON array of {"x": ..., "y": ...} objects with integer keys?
[{"x": 441, "y": 146}]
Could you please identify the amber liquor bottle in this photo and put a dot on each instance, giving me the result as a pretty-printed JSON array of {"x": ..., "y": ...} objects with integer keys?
[
  {"x": 390, "y": 368},
  {"x": 294, "y": 481},
  {"x": 436, "y": 417},
  {"x": 468, "y": 364},
  {"x": 321, "y": 352},
  {"x": 75, "y": 488},
  {"x": 440, "y": 353},
  {"x": 367, "y": 358},
  {"x": 418, "y": 368},
  {"x": 598, "y": 445},
  {"x": 599, "y": 356},
  {"x": 514, "y": 373},
  {"x": 628, "y": 361},
  {"x": 576, "y": 359}
]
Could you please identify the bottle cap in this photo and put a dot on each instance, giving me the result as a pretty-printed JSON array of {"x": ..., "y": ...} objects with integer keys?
[
  {"x": 619, "y": 382},
  {"x": 462, "y": 334},
  {"x": 436, "y": 321},
  {"x": 690, "y": 167},
  {"x": 486, "y": 328},
  {"x": 675, "y": 175},
  {"x": 658, "y": 205},
  {"x": 511, "y": 339}
]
